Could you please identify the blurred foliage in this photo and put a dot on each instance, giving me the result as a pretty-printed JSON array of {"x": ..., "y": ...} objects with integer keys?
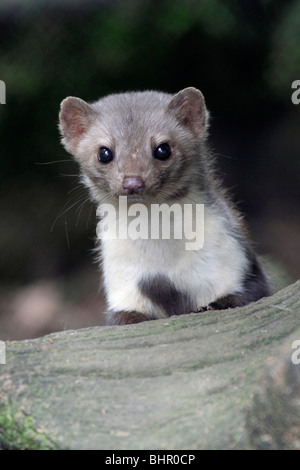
[{"x": 243, "y": 55}]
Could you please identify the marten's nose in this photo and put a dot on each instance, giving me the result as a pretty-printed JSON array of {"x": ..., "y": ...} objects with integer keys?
[{"x": 133, "y": 185}]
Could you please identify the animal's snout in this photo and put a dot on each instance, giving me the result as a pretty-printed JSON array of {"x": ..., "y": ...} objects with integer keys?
[{"x": 133, "y": 185}]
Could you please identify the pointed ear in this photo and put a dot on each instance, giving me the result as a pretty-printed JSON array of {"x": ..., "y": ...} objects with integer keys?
[
  {"x": 75, "y": 118},
  {"x": 189, "y": 108}
]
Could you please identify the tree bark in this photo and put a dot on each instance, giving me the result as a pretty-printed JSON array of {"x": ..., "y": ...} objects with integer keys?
[{"x": 214, "y": 380}]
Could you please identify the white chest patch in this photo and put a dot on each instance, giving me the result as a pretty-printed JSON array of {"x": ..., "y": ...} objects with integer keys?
[{"x": 201, "y": 275}]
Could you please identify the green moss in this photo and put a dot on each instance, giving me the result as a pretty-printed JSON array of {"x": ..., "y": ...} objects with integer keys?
[{"x": 18, "y": 431}]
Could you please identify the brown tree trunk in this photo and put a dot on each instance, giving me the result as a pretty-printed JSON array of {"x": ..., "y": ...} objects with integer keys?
[{"x": 219, "y": 379}]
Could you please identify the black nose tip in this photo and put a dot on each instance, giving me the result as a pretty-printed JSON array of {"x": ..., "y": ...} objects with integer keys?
[{"x": 133, "y": 185}]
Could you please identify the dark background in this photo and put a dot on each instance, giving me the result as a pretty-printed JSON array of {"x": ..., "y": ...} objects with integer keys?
[{"x": 243, "y": 55}]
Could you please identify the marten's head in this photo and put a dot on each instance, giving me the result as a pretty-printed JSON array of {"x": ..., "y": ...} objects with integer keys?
[{"x": 144, "y": 145}]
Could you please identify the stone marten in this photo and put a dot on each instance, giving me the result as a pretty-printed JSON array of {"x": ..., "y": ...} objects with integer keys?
[{"x": 151, "y": 148}]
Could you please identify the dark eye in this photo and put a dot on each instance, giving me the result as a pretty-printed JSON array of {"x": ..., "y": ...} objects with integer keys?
[
  {"x": 162, "y": 152},
  {"x": 105, "y": 155}
]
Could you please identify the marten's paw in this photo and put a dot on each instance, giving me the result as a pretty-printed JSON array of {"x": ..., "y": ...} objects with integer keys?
[
  {"x": 229, "y": 301},
  {"x": 124, "y": 318},
  {"x": 204, "y": 309}
]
